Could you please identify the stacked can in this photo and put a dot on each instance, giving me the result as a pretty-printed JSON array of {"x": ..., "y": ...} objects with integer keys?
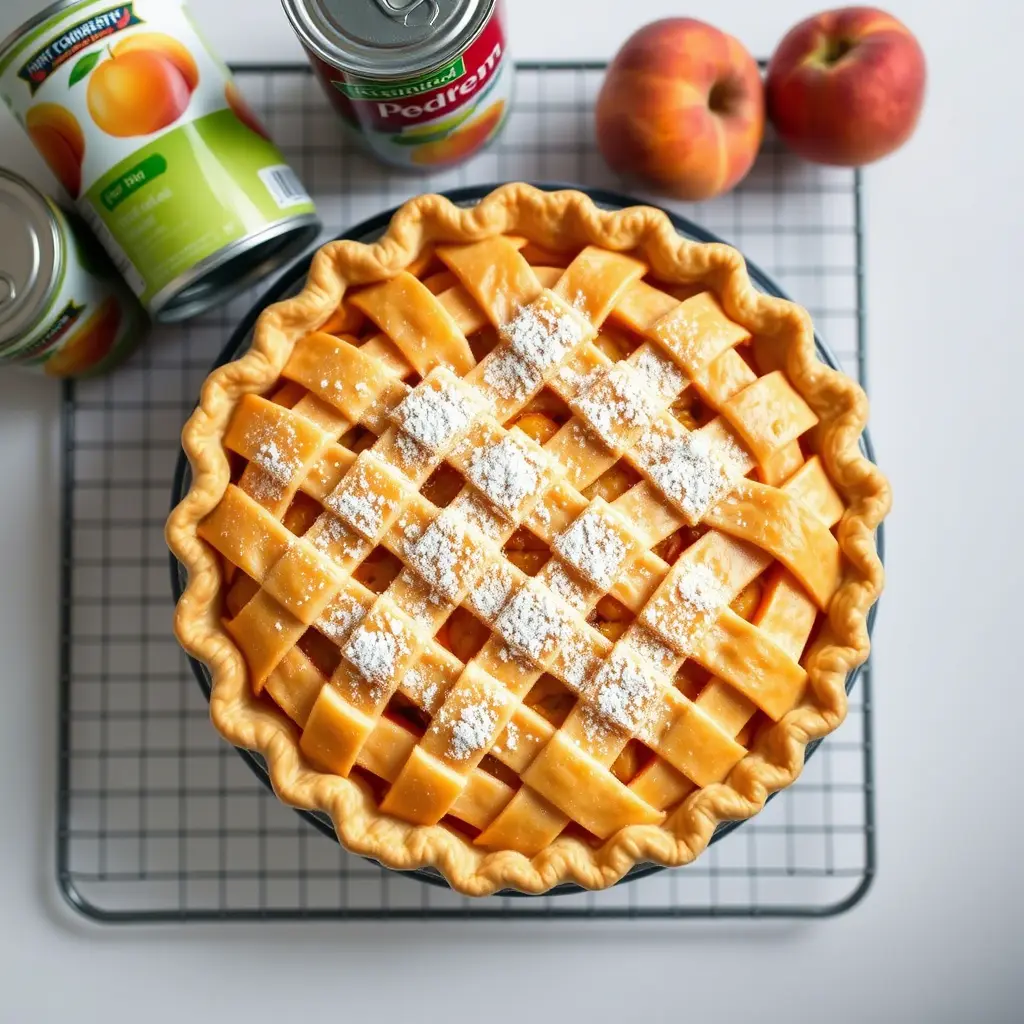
[
  {"x": 63, "y": 308},
  {"x": 146, "y": 130}
]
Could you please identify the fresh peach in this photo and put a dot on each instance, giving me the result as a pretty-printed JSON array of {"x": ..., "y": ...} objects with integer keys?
[
  {"x": 156, "y": 42},
  {"x": 682, "y": 107},
  {"x": 136, "y": 93},
  {"x": 57, "y": 135},
  {"x": 238, "y": 106},
  {"x": 846, "y": 87}
]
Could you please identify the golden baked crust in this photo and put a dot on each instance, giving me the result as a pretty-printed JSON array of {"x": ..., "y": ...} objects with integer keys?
[{"x": 556, "y": 221}]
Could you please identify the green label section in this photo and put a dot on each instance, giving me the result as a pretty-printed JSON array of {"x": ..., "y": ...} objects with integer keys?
[
  {"x": 132, "y": 180},
  {"x": 188, "y": 194},
  {"x": 411, "y": 87}
]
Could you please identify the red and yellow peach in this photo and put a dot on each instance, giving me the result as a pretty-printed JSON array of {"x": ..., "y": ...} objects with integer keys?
[
  {"x": 682, "y": 108},
  {"x": 846, "y": 87}
]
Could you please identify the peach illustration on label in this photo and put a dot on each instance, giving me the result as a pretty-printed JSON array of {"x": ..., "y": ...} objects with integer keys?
[
  {"x": 462, "y": 142},
  {"x": 156, "y": 42},
  {"x": 89, "y": 345},
  {"x": 57, "y": 135},
  {"x": 144, "y": 85},
  {"x": 238, "y": 106}
]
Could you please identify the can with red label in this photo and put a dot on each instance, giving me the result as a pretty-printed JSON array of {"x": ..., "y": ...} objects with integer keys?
[{"x": 426, "y": 83}]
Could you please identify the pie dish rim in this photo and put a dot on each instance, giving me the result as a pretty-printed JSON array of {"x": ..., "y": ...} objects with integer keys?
[{"x": 584, "y": 866}]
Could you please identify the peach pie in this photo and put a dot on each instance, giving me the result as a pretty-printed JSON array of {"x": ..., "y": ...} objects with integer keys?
[{"x": 530, "y": 542}]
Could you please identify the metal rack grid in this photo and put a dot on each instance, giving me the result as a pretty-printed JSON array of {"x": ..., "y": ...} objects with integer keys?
[{"x": 158, "y": 818}]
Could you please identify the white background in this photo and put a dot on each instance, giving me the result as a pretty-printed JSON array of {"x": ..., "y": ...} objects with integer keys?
[{"x": 939, "y": 937}]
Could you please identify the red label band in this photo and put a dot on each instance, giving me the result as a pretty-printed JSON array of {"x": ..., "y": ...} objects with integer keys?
[{"x": 389, "y": 107}]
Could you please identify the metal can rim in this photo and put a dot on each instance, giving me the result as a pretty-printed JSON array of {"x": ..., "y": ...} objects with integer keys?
[
  {"x": 336, "y": 58},
  {"x": 31, "y": 319},
  {"x": 171, "y": 304}
]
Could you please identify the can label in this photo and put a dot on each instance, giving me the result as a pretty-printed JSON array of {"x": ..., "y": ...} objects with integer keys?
[
  {"x": 434, "y": 119},
  {"x": 145, "y": 129},
  {"x": 91, "y": 321}
]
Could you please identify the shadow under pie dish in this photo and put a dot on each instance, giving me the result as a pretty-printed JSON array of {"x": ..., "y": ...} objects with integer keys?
[{"x": 528, "y": 543}]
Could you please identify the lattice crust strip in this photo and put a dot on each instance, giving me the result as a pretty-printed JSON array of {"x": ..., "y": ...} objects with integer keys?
[{"x": 307, "y": 511}]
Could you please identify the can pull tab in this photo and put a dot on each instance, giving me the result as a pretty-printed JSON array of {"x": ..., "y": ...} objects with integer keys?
[
  {"x": 8, "y": 290},
  {"x": 404, "y": 12}
]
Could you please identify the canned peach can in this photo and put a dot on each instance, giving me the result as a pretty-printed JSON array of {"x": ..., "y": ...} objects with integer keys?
[
  {"x": 147, "y": 132},
  {"x": 63, "y": 308},
  {"x": 425, "y": 83}
]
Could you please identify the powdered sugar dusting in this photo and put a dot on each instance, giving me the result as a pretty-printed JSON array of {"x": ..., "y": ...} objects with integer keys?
[
  {"x": 375, "y": 652},
  {"x": 274, "y": 459},
  {"x": 480, "y": 514},
  {"x": 615, "y": 403},
  {"x": 340, "y": 617},
  {"x": 441, "y": 555},
  {"x": 333, "y": 536},
  {"x": 700, "y": 588},
  {"x": 686, "y": 608},
  {"x": 488, "y": 596},
  {"x": 577, "y": 661},
  {"x": 571, "y": 380},
  {"x": 599, "y": 730},
  {"x": 411, "y": 532},
  {"x": 678, "y": 331},
  {"x": 592, "y": 546},
  {"x": 259, "y": 484},
  {"x": 364, "y": 511},
  {"x": 659, "y": 373},
  {"x": 623, "y": 690},
  {"x": 278, "y": 457},
  {"x": 277, "y": 452},
  {"x": 510, "y": 375},
  {"x": 436, "y": 412},
  {"x": 471, "y": 731},
  {"x": 532, "y": 622},
  {"x": 568, "y": 589},
  {"x": 686, "y": 468},
  {"x": 511, "y": 736},
  {"x": 541, "y": 335},
  {"x": 415, "y": 684},
  {"x": 357, "y": 499},
  {"x": 412, "y": 455},
  {"x": 542, "y": 514},
  {"x": 648, "y": 647},
  {"x": 508, "y": 472}
]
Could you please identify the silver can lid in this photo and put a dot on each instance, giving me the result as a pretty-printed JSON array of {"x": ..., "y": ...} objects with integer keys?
[
  {"x": 386, "y": 38},
  {"x": 29, "y": 257}
]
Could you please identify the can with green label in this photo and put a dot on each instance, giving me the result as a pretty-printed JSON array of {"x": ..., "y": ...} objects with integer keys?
[
  {"x": 63, "y": 308},
  {"x": 148, "y": 133}
]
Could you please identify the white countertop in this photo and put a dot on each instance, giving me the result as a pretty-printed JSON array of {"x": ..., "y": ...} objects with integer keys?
[{"x": 939, "y": 936}]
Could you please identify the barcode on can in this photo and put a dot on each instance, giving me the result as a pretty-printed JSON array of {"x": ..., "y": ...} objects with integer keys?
[{"x": 284, "y": 186}]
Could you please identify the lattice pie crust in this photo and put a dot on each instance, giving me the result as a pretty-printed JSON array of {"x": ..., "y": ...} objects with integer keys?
[{"x": 429, "y": 346}]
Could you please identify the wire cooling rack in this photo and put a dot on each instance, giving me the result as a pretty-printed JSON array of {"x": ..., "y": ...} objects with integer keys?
[{"x": 158, "y": 818}]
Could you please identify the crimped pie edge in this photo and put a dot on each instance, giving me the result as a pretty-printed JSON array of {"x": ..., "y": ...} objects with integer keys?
[{"x": 555, "y": 220}]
